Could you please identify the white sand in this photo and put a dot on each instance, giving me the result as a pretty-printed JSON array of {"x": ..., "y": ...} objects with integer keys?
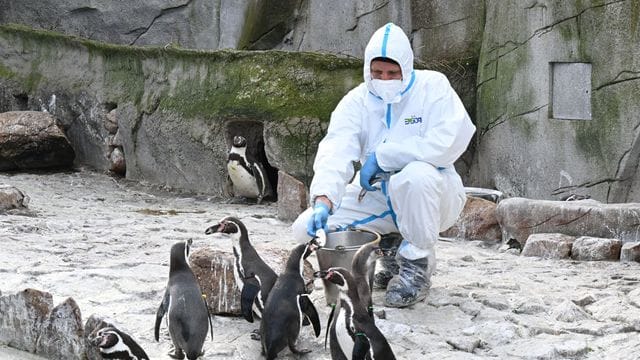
[{"x": 93, "y": 238}]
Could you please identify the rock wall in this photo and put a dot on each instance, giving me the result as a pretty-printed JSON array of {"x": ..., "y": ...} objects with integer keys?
[
  {"x": 445, "y": 34},
  {"x": 551, "y": 85},
  {"x": 540, "y": 66}
]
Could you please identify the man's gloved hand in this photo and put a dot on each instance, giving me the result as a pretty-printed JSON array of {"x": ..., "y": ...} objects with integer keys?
[
  {"x": 318, "y": 218},
  {"x": 369, "y": 169}
]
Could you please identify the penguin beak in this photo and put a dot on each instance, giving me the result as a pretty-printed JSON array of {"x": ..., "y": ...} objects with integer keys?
[
  {"x": 320, "y": 274},
  {"x": 214, "y": 229}
]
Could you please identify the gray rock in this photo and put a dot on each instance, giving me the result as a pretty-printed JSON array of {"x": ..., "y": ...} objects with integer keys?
[
  {"x": 477, "y": 222},
  {"x": 22, "y": 316},
  {"x": 118, "y": 162},
  {"x": 93, "y": 324},
  {"x": 292, "y": 197},
  {"x": 520, "y": 217},
  {"x": 465, "y": 343},
  {"x": 214, "y": 271},
  {"x": 585, "y": 300},
  {"x": 62, "y": 333},
  {"x": 630, "y": 252},
  {"x": 568, "y": 311},
  {"x": 12, "y": 198},
  {"x": 32, "y": 140},
  {"x": 596, "y": 249},
  {"x": 111, "y": 121},
  {"x": 548, "y": 246}
]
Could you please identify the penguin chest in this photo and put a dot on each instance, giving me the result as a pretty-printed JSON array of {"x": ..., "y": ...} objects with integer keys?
[
  {"x": 343, "y": 334},
  {"x": 244, "y": 183}
]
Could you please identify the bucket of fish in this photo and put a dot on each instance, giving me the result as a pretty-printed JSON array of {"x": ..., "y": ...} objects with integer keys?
[{"x": 338, "y": 251}]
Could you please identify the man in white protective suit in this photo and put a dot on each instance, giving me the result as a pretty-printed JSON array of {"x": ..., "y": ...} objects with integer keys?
[{"x": 407, "y": 128}]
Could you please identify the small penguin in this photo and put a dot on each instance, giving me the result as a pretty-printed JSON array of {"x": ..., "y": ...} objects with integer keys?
[
  {"x": 356, "y": 335},
  {"x": 253, "y": 276},
  {"x": 248, "y": 176},
  {"x": 288, "y": 305},
  {"x": 363, "y": 266},
  {"x": 115, "y": 344},
  {"x": 187, "y": 313}
]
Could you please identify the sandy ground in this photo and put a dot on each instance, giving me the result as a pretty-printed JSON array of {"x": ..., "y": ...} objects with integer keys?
[{"x": 105, "y": 242}]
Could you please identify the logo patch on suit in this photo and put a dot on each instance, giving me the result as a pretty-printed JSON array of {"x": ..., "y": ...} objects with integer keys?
[{"x": 413, "y": 120}]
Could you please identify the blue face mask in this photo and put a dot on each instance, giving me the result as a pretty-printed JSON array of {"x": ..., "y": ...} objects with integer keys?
[{"x": 388, "y": 90}]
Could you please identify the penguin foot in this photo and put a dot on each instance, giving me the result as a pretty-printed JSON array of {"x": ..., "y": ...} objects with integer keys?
[
  {"x": 176, "y": 354},
  {"x": 300, "y": 351},
  {"x": 255, "y": 335},
  {"x": 238, "y": 200}
]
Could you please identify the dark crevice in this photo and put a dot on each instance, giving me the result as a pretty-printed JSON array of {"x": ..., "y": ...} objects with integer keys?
[
  {"x": 163, "y": 12},
  {"x": 365, "y": 14},
  {"x": 545, "y": 29},
  {"x": 441, "y": 25},
  {"x": 588, "y": 184}
]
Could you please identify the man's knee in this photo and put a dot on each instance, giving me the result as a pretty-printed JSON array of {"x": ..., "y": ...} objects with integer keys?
[{"x": 418, "y": 175}]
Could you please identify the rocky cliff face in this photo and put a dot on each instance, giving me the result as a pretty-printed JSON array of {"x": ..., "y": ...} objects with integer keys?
[
  {"x": 558, "y": 85},
  {"x": 554, "y": 95}
]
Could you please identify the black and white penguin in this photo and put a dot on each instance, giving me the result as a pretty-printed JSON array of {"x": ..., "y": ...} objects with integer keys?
[
  {"x": 356, "y": 335},
  {"x": 187, "y": 313},
  {"x": 363, "y": 266},
  {"x": 115, "y": 344},
  {"x": 253, "y": 276},
  {"x": 287, "y": 306},
  {"x": 247, "y": 175}
]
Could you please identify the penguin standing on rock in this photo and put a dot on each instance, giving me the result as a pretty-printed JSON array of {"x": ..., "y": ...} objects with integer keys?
[
  {"x": 115, "y": 344},
  {"x": 247, "y": 175},
  {"x": 357, "y": 336},
  {"x": 287, "y": 306},
  {"x": 253, "y": 276},
  {"x": 187, "y": 313}
]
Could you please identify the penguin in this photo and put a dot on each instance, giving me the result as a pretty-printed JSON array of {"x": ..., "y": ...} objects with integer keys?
[
  {"x": 356, "y": 335},
  {"x": 363, "y": 266},
  {"x": 187, "y": 313},
  {"x": 248, "y": 176},
  {"x": 115, "y": 344},
  {"x": 253, "y": 276},
  {"x": 287, "y": 306}
]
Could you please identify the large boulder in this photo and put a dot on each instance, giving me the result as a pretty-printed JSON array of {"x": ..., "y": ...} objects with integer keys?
[
  {"x": 293, "y": 197},
  {"x": 12, "y": 198},
  {"x": 214, "y": 270},
  {"x": 22, "y": 316},
  {"x": 521, "y": 217},
  {"x": 32, "y": 140},
  {"x": 477, "y": 222},
  {"x": 62, "y": 333}
]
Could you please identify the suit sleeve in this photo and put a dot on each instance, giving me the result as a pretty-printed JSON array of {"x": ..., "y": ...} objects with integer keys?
[
  {"x": 446, "y": 138},
  {"x": 333, "y": 165}
]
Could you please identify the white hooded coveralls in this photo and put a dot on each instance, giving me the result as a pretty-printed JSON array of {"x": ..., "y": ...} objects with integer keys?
[{"x": 417, "y": 138}]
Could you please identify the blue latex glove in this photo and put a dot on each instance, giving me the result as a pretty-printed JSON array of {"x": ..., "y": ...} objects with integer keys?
[
  {"x": 368, "y": 171},
  {"x": 318, "y": 219}
]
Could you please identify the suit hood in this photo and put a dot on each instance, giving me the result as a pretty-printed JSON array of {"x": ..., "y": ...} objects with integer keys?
[{"x": 391, "y": 42}]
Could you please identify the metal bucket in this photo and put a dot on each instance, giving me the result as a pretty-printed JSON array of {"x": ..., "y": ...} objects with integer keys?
[{"x": 338, "y": 251}]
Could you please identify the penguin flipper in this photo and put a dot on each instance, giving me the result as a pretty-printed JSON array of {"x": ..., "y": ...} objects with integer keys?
[
  {"x": 250, "y": 291},
  {"x": 204, "y": 299},
  {"x": 261, "y": 180},
  {"x": 307, "y": 307},
  {"x": 361, "y": 347},
  {"x": 329, "y": 323},
  {"x": 162, "y": 310}
]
